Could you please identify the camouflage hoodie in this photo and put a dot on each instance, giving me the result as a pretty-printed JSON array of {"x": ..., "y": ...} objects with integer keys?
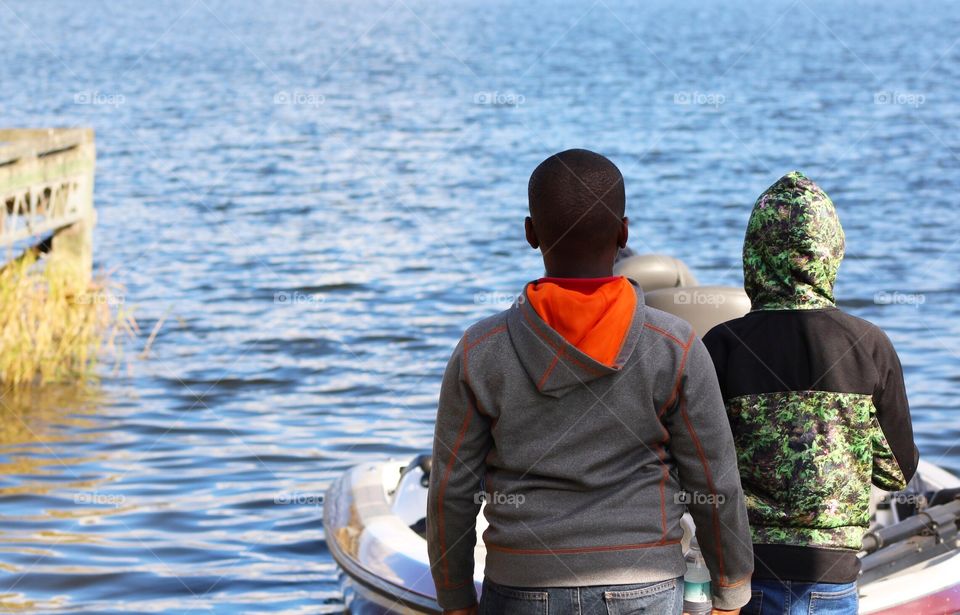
[{"x": 815, "y": 397}]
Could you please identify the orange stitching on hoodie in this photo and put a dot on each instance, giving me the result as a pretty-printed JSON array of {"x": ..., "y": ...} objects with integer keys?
[
  {"x": 442, "y": 491},
  {"x": 661, "y": 452},
  {"x": 745, "y": 579},
  {"x": 710, "y": 485},
  {"x": 467, "y": 346},
  {"x": 667, "y": 334},
  {"x": 483, "y": 337},
  {"x": 549, "y": 370},
  {"x": 679, "y": 378}
]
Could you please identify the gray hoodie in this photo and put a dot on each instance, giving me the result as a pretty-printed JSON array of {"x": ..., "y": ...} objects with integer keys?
[{"x": 587, "y": 467}]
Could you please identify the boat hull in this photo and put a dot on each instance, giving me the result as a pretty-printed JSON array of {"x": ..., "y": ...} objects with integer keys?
[{"x": 385, "y": 567}]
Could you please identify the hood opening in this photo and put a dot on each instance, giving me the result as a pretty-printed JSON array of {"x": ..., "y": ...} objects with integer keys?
[{"x": 592, "y": 314}]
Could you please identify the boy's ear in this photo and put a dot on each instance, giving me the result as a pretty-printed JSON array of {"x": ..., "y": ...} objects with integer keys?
[
  {"x": 531, "y": 233},
  {"x": 624, "y": 232}
]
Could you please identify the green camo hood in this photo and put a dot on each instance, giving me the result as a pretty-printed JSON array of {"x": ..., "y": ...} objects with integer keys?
[{"x": 793, "y": 247}]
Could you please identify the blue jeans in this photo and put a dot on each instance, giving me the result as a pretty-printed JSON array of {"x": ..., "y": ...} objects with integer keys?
[
  {"x": 792, "y": 598},
  {"x": 660, "y": 598}
]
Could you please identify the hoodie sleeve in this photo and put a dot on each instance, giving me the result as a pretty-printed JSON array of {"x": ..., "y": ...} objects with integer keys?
[
  {"x": 702, "y": 445},
  {"x": 461, "y": 441},
  {"x": 895, "y": 456}
]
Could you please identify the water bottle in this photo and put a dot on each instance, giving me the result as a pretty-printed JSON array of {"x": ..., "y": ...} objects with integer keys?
[{"x": 696, "y": 584}]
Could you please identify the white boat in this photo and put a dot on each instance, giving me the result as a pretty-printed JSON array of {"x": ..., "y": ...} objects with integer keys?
[{"x": 374, "y": 514}]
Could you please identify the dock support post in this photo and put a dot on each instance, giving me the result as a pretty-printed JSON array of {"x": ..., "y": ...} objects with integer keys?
[{"x": 72, "y": 247}]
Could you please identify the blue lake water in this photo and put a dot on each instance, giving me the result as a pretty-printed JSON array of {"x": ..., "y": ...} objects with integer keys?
[{"x": 316, "y": 198}]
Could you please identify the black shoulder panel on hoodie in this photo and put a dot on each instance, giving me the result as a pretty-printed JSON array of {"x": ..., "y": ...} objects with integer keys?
[{"x": 773, "y": 351}]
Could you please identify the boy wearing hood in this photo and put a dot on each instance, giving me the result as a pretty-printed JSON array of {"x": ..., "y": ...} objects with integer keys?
[
  {"x": 816, "y": 402},
  {"x": 582, "y": 416}
]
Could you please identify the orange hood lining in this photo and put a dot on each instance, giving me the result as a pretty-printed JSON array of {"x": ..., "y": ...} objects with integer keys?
[{"x": 592, "y": 314}]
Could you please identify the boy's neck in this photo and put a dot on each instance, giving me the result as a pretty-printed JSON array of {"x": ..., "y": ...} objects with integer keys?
[{"x": 579, "y": 271}]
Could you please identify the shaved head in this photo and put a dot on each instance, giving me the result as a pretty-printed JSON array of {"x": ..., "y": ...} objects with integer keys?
[{"x": 577, "y": 202}]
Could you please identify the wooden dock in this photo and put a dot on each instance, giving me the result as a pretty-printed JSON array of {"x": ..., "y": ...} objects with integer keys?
[{"x": 46, "y": 186}]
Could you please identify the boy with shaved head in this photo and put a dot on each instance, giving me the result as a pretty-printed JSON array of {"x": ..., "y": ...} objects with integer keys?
[{"x": 586, "y": 419}]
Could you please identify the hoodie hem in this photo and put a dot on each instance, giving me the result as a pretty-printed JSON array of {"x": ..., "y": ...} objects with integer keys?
[
  {"x": 805, "y": 564},
  {"x": 616, "y": 565}
]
